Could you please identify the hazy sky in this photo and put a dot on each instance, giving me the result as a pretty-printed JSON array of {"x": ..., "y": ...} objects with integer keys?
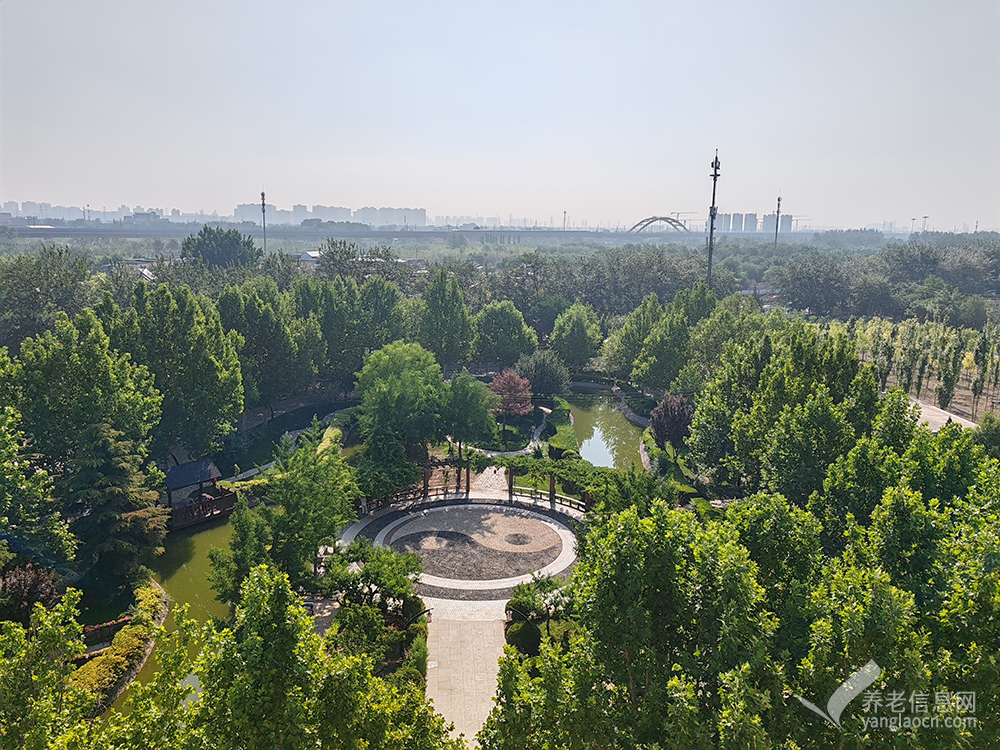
[{"x": 859, "y": 112}]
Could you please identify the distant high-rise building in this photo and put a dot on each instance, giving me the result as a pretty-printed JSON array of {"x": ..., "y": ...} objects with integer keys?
[
  {"x": 251, "y": 212},
  {"x": 737, "y": 223},
  {"x": 299, "y": 212},
  {"x": 11, "y": 208},
  {"x": 331, "y": 213},
  {"x": 367, "y": 215},
  {"x": 768, "y": 223},
  {"x": 724, "y": 222},
  {"x": 786, "y": 223},
  {"x": 749, "y": 222}
]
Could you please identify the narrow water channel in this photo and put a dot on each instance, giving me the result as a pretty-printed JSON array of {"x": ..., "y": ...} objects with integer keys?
[
  {"x": 605, "y": 435},
  {"x": 182, "y": 570}
]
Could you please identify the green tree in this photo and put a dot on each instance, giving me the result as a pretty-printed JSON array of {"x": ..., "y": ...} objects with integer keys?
[
  {"x": 663, "y": 353},
  {"x": 221, "y": 247},
  {"x": 35, "y": 288},
  {"x": 36, "y": 703},
  {"x": 269, "y": 358},
  {"x": 313, "y": 492},
  {"x": 468, "y": 416},
  {"x": 805, "y": 441},
  {"x": 545, "y": 372},
  {"x": 118, "y": 519},
  {"x": 403, "y": 393},
  {"x": 70, "y": 378},
  {"x": 348, "y": 260},
  {"x": 446, "y": 327},
  {"x": 502, "y": 336},
  {"x": 29, "y": 513},
  {"x": 622, "y": 348},
  {"x": 248, "y": 548},
  {"x": 784, "y": 542},
  {"x": 576, "y": 335},
  {"x": 259, "y": 677},
  {"x": 381, "y": 314},
  {"x": 663, "y": 596},
  {"x": 854, "y": 485},
  {"x": 195, "y": 365},
  {"x": 945, "y": 464}
]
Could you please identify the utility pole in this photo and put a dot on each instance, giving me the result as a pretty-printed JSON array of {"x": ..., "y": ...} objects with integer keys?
[
  {"x": 777, "y": 222},
  {"x": 711, "y": 216},
  {"x": 263, "y": 219}
]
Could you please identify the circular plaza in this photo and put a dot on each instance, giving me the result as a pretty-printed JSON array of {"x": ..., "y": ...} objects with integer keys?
[{"x": 475, "y": 551}]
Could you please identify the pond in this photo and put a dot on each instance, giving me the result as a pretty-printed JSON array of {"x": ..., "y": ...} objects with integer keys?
[
  {"x": 182, "y": 570},
  {"x": 605, "y": 435}
]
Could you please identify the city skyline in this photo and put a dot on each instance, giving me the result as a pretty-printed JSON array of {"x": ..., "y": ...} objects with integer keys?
[{"x": 859, "y": 114}]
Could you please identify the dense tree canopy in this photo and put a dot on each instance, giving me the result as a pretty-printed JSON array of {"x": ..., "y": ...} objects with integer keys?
[
  {"x": 195, "y": 365},
  {"x": 221, "y": 247},
  {"x": 446, "y": 327},
  {"x": 502, "y": 336},
  {"x": 576, "y": 336},
  {"x": 265, "y": 681}
]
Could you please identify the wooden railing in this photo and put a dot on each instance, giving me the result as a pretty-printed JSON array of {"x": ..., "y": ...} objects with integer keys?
[
  {"x": 417, "y": 493},
  {"x": 205, "y": 508},
  {"x": 536, "y": 495}
]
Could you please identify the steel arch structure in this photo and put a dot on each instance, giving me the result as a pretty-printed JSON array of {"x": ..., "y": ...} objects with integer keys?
[{"x": 669, "y": 220}]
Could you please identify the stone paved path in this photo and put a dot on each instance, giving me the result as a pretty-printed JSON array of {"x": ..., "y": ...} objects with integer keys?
[
  {"x": 465, "y": 637},
  {"x": 464, "y": 644}
]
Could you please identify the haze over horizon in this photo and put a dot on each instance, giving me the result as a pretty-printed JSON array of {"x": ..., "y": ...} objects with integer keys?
[{"x": 858, "y": 113}]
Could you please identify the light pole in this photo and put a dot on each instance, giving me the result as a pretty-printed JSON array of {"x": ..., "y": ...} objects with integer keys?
[
  {"x": 263, "y": 219},
  {"x": 711, "y": 216}
]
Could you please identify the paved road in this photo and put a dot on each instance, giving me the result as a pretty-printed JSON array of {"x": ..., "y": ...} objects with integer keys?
[
  {"x": 937, "y": 418},
  {"x": 465, "y": 641}
]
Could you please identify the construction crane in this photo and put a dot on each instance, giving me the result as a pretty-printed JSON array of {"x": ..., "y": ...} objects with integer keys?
[
  {"x": 678, "y": 214},
  {"x": 797, "y": 219}
]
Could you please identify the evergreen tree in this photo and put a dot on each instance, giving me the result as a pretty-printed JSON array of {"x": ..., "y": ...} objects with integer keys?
[
  {"x": 576, "y": 335},
  {"x": 446, "y": 327},
  {"x": 502, "y": 336}
]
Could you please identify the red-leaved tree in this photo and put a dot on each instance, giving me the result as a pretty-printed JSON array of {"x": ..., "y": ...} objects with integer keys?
[{"x": 515, "y": 396}]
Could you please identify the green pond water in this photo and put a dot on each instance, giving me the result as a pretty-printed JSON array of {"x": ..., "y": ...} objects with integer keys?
[
  {"x": 605, "y": 435},
  {"x": 182, "y": 570}
]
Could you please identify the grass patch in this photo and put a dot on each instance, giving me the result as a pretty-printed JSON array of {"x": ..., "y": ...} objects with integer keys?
[
  {"x": 667, "y": 462},
  {"x": 518, "y": 433},
  {"x": 562, "y": 436}
]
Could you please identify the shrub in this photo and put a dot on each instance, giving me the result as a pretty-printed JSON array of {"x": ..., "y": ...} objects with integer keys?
[
  {"x": 100, "y": 675},
  {"x": 412, "y": 606},
  {"x": 524, "y": 636},
  {"x": 407, "y": 675},
  {"x": 418, "y": 654}
]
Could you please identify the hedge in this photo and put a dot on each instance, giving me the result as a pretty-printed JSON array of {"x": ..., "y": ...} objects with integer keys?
[{"x": 103, "y": 674}]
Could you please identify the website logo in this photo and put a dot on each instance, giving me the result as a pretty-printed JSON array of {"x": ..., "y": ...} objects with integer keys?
[{"x": 849, "y": 689}]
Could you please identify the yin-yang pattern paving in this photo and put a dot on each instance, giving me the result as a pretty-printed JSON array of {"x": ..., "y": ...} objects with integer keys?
[{"x": 478, "y": 543}]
